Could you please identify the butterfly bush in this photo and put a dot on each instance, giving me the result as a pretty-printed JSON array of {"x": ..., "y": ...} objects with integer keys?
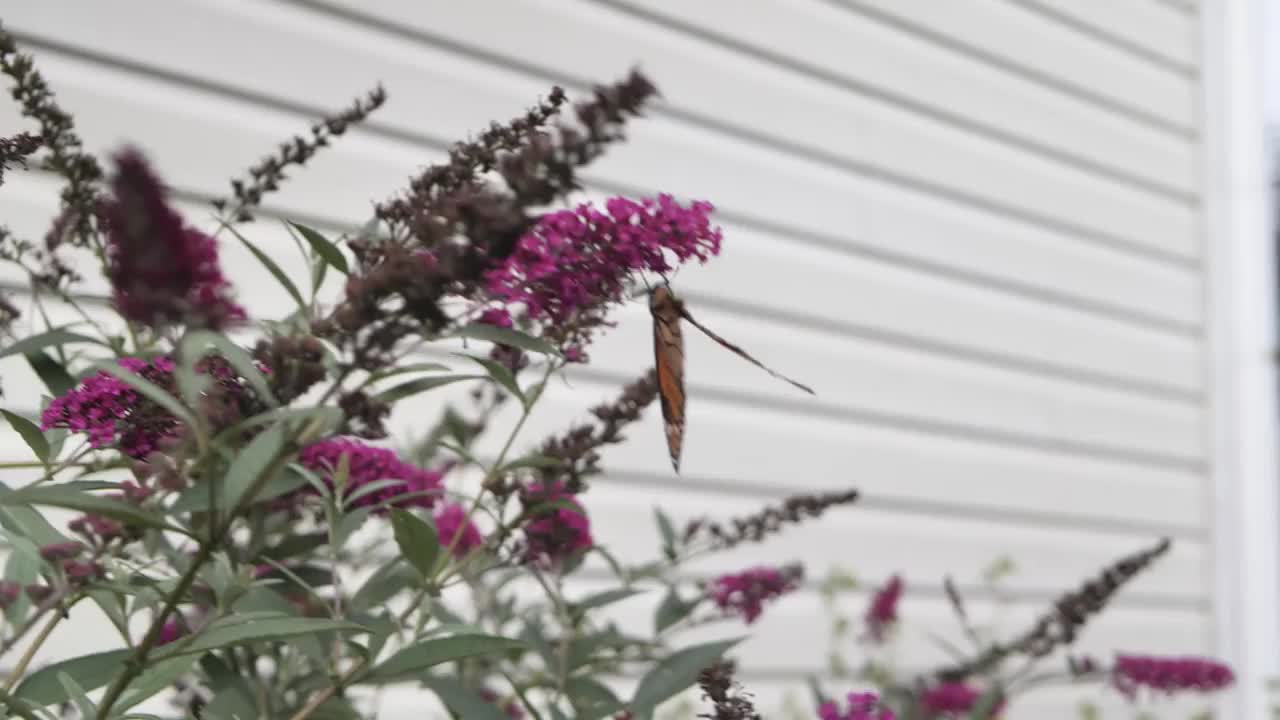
[{"x": 233, "y": 504}]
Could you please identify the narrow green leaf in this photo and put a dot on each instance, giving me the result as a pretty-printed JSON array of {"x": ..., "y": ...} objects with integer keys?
[
  {"x": 414, "y": 659},
  {"x": 420, "y": 385},
  {"x": 672, "y": 610},
  {"x": 72, "y": 497},
  {"x": 405, "y": 369},
  {"x": 665, "y": 528},
  {"x": 271, "y": 267},
  {"x": 506, "y": 336},
  {"x": 983, "y": 709},
  {"x": 462, "y": 701},
  {"x": 607, "y": 597},
  {"x": 500, "y": 374},
  {"x": 250, "y": 463},
  {"x": 591, "y": 699},
  {"x": 23, "y": 568},
  {"x": 324, "y": 248},
  {"x": 419, "y": 543},
  {"x": 90, "y": 671},
  {"x": 676, "y": 673},
  {"x": 155, "y": 679},
  {"x": 30, "y": 433},
  {"x": 261, "y": 629},
  {"x": 153, "y": 392},
  {"x": 25, "y": 522},
  {"x": 76, "y": 693},
  {"x": 51, "y": 373},
  {"x": 56, "y": 336}
]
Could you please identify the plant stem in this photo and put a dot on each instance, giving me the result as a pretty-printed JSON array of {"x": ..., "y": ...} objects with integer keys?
[
  {"x": 30, "y": 652},
  {"x": 319, "y": 698},
  {"x": 15, "y": 705},
  {"x": 51, "y": 602}
]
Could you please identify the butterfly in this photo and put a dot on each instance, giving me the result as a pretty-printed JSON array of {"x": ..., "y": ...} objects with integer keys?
[{"x": 668, "y": 350}]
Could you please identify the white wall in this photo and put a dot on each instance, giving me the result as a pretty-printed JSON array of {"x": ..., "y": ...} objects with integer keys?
[{"x": 973, "y": 226}]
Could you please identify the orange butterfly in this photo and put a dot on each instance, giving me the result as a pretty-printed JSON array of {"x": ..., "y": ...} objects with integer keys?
[{"x": 668, "y": 351}]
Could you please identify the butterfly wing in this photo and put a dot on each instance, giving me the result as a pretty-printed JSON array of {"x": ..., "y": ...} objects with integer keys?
[
  {"x": 668, "y": 355},
  {"x": 683, "y": 313}
]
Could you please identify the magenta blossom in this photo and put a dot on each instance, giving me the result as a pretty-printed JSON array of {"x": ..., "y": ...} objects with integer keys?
[
  {"x": 173, "y": 629},
  {"x": 573, "y": 264},
  {"x": 1170, "y": 674},
  {"x": 954, "y": 700},
  {"x": 112, "y": 413},
  {"x": 511, "y": 707},
  {"x": 554, "y": 533},
  {"x": 368, "y": 464},
  {"x": 860, "y": 706},
  {"x": 452, "y": 522},
  {"x": 745, "y": 593},
  {"x": 161, "y": 270},
  {"x": 882, "y": 614}
]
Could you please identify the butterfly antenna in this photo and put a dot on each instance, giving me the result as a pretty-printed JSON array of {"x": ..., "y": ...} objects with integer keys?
[{"x": 742, "y": 353}]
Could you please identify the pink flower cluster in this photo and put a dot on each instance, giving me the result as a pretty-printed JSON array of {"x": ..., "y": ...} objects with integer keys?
[
  {"x": 882, "y": 614},
  {"x": 574, "y": 263},
  {"x": 112, "y": 413},
  {"x": 1170, "y": 674},
  {"x": 954, "y": 700},
  {"x": 161, "y": 270},
  {"x": 860, "y": 706},
  {"x": 554, "y": 534},
  {"x": 451, "y": 522},
  {"x": 745, "y": 593},
  {"x": 368, "y": 464}
]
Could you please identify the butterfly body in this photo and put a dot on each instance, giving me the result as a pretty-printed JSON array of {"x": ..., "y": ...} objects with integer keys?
[{"x": 668, "y": 349}]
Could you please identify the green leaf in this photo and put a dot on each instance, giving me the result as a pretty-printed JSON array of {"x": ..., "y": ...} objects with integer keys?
[
  {"x": 30, "y": 433},
  {"x": 676, "y": 673},
  {"x": 406, "y": 369},
  {"x": 77, "y": 695},
  {"x": 500, "y": 374},
  {"x": 983, "y": 709},
  {"x": 665, "y": 528},
  {"x": 238, "y": 631},
  {"x": 324, "y": 248},
  {"x": 607, "y": 597},
  {"x": 22, "y": 567},
  {"x": 232, "y": 696},
  {"x": 73, "y": 497},
  {"x": 590, "y": 698},
  {"x": 820, "y": 696},
  {"x": 151, "y": 391},
  {"x": 51, "y": 373},
  {"x": 462, "y": 701},
  {"x": 419, "y": 543},
  {"x": 90, "y": 671},
  {"x": 506, "y": 336},
  {"x": 197, "y": 344},
  {"x": 56, "y": 336},
  {"x": 250, "y": 463},
  {"x": 414, "y": 659},
  {"x": 420, "y": 385},
  {"x": 156, "y": 678},
  {"x": 384, "y": 584},
  {"x": 271, "y": 267},
  {"x": 672, "y": 610},
  {"x": 25, "y": 522}
]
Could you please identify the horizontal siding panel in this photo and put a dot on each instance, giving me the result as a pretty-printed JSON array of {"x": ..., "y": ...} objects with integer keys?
[
  {"x": 1151, "y": 29},
  {"x": 849, "y": 52},
  {"x": 908, "y": 228},
  {"x": 889, "y": 304},
  {"x": 1039, "y": 47},
  {"x": 323, "y": 52}
]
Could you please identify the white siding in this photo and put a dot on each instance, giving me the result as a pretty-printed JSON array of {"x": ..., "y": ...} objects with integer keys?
[{"x": 972, "y": 225}]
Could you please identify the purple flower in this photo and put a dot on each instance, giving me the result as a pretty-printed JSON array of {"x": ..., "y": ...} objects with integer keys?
[
  {"x": 112, "y": 413},
  {"x": 451, "y": 522},
  {"x": 161, "y": 270},
  {"x": 882, "y": 614},
  {"x": 9, "y": 592},
  {"x": 861, "y": 706},
  {"x": 173, "y": 629},
  {"x": 1170, "y": 674},
  {"x": 573, "y": 264},
  {"x": 511, "y": 707},
  {"x": 553, "y": 534},
  {"x": 62, "y": 550},
  {"x": 954, "y": 699},
  {"x": 745, "y": 593},
  {"x": 368, "y": 464}
]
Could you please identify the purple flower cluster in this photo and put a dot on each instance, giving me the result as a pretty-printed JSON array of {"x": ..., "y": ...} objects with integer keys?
[
  {"x": 1170, "y": 674},
  {"x": 553, "y": 534},
  {"x": 744, "y": 593},
  {"x": 882, "y": 614},
  {"x": 368, "y": 464},
  {"x": 575, "y": 263},
  {"x": 953, "y": 700},
  {"x": 161, "y": 270},
  {"x": 112, "y": 413},
  {"x": 860, "y": 706},
  {"x": 452, "y": 522}
]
